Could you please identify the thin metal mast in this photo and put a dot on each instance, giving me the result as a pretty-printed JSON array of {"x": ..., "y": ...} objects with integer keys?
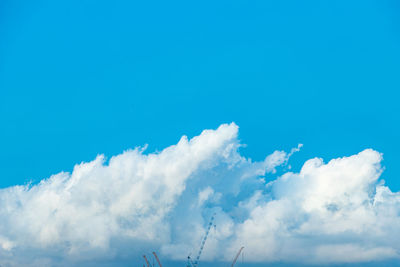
[
  {"x": 237, "y": 256},
  {"x": 155, "y": 255},
  {"x": 147, "y": 262}
]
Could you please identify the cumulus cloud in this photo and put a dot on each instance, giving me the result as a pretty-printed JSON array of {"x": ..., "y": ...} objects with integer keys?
[
  {"x": 338, "y": 211},
  {"x": 334, "y": 212}
]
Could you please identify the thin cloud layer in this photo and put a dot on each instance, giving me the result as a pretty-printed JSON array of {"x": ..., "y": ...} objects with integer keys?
[{"x": 337, "y": 212}]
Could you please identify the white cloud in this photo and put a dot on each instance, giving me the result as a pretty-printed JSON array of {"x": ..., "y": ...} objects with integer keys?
[
  {"x": 136, "y": 202},
  {"x": 332, "y": 212}
]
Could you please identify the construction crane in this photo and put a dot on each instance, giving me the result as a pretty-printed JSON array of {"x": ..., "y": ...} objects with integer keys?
[
  {"x": 147, "y": 262},
  {"x": 237, "y": 256},
  {"x": 155, "y": 255},
  {"x": 196, "y": 262}
]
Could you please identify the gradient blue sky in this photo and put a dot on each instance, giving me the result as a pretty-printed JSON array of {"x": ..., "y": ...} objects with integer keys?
[{"x": 79, "y": 78}]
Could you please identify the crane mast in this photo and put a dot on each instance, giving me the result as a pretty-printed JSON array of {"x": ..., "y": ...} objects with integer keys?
[
  {"x": 196, "y": 262},
  {"x": 237, "y": 256}
]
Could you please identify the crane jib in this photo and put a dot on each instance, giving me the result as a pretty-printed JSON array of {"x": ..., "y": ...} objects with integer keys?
[{"x": 190, "y": 262}]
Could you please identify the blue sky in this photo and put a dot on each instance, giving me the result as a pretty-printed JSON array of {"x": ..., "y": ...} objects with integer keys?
[{"x": 82, "y": 78}]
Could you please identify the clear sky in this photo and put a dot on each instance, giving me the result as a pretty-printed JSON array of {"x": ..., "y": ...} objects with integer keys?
[{"x": 82, "y": 78}]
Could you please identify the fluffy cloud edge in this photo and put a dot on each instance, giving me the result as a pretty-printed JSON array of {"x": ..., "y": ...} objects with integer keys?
[{"x": 335, "y": 212}]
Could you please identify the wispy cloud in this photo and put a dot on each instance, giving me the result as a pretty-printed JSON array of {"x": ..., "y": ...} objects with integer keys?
[{"x": 328, "y": 212}]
